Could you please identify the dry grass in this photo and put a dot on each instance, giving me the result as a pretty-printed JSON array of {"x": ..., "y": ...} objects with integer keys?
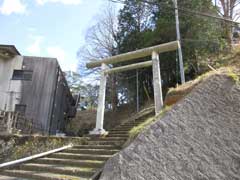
[
  {"x": 136, "y": 130},
  {"x": 222, "y": 64},
  {"x": 232, "y": 70}
]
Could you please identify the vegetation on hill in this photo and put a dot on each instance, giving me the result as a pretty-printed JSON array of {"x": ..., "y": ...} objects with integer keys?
[{"x": 140, "y": 24}]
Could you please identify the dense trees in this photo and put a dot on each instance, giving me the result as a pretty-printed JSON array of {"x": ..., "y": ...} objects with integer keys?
[
  {"x": 143, "y": 23},
  {"x": 200, "y": 36}
]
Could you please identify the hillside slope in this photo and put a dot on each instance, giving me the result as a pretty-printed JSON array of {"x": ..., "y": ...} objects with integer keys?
[{"x": 199, "y": 138}]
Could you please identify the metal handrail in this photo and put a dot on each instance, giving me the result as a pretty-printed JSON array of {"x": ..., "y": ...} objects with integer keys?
[{"x": 16, "y": 162}]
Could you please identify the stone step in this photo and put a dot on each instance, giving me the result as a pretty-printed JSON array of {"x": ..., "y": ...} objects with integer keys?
[
  {"x": 123, "y": 129},
  {"x": 140, "y": 122},
  {"x": 117, "y": 132},
  {"x": 95, "y": 147},
  {"x": 136, "y": 122},
  {"x": 80, "y": 156},
  {"x": 125, "y": 126},
  {"x": 91, "y": 151},
  {"x": 71, "y": 162},
  {"x": 115, "y": 143},
  {"x": 79, "y": 162},
  {"x": 131, "y": 123},
  {"x": 58, "y": 169},
  {"x": 107, "y": 139},
  {"x": 118, "y": 135},
  {"x": 36, "y": 175}
]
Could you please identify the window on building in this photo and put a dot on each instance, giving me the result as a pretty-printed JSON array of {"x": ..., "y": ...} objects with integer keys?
[
  {"x": 21, "y": 108},
  {"x": 22, "y": 75}
]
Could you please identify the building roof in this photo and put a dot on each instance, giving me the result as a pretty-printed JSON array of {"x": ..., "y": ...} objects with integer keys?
[{"x": 7, "y": 51}]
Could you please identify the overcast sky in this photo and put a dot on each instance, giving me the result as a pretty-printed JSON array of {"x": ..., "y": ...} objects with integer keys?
[{"x": 52, "y": 28}]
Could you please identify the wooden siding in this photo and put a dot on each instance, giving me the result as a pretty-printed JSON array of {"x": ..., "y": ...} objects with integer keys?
[
  {"x": 64, "y": 103},
  {"x": 38, "y": 94},
  {"x": 47, "y": 96}
]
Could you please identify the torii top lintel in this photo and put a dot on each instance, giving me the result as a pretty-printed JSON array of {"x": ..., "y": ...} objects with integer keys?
[{"x": 171, "y": 46}]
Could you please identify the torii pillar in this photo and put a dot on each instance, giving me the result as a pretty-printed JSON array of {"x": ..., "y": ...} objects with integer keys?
[
  {"x": 101, "y": 103},
  {"x": 157, "y": 84}
]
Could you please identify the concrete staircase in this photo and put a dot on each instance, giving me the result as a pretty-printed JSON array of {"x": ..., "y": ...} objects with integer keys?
[{"x": 80, "y": 162}]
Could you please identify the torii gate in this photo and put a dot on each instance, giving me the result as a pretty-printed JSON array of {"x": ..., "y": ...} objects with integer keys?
[{"x": 154, "y": 51}]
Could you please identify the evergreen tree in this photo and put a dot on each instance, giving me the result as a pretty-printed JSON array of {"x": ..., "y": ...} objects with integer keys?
[{"x": 152, "y": 22}]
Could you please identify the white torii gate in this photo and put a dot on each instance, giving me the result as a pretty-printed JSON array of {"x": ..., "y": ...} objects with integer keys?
[{"x": 154, "y": 52}]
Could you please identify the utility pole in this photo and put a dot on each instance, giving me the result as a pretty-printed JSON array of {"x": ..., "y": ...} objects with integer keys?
[{"x": 180, "y": 46}]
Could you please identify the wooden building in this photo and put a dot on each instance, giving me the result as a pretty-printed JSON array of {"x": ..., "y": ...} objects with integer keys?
[{"x": 36, "y": 88}]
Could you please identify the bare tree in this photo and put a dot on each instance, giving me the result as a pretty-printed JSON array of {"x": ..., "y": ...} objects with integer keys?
[
  {"x": 101, "y": 38},
  {"x": 101, "y": 42},
  {"x": 229, "y": 9}
]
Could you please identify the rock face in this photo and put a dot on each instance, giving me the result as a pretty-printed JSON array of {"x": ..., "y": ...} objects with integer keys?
[{"x": 199, "y": 139}]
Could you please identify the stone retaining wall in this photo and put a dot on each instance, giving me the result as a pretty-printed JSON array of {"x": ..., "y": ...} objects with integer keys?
[{"x": 198, "y": 139}]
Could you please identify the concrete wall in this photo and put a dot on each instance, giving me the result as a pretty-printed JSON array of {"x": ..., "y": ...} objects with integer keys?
[{"x": 10, "y": 90}]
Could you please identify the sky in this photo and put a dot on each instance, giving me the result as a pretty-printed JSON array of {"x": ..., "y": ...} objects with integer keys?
[{"x": 48, "y": 28}]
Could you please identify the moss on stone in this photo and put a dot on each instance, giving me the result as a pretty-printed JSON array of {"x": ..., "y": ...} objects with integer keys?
[
  {"x": 233, "y": 75},
  {"x": 136, "y": 130}
]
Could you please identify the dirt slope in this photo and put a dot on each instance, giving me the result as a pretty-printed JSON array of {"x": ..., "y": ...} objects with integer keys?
[{"x": 199, "y": 139}]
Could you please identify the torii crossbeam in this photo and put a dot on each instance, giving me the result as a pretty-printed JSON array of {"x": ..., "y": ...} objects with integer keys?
[{"x": 151, "y": 51}]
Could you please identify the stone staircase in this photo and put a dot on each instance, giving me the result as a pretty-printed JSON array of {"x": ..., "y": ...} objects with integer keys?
[{"x": 80, "y": 162}]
